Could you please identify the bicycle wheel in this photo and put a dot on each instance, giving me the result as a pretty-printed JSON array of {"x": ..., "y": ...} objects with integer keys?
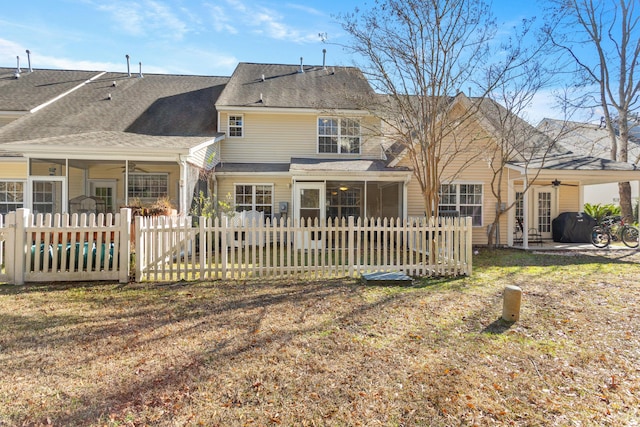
[
  {"x": 600, "y": 237},
  {"x": 630, "y": 236}
]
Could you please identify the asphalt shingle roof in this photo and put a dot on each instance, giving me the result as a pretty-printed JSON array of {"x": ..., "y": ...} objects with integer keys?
[
  {"x": 160, "y": 105},
  {"x": 36, "y": 88},
  {"x": 284, "y": 86}
]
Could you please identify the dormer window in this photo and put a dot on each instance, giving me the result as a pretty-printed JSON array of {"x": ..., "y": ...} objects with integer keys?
[
  {"x": 338, "y": 135},
  {"x": 235, "y": 126}
]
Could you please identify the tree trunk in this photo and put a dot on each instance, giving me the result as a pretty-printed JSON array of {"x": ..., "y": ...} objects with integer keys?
[{"x": 625, "y": 201}]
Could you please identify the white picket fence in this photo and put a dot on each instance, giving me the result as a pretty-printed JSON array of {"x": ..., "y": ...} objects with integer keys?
[
  {"x": 170, "y": 249},
  {"x": 64, "y": 247},
  {"x": 49, "y": 248}
]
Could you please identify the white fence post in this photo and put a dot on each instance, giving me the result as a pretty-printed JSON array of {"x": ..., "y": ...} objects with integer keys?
[
  {"x": 20, "y": 246},
  {"x": 140, "y": 252},
  {"x": 125, "y": 245},
  {"x": 351, "y": 245},
  {"x": 9, "y": 244}
]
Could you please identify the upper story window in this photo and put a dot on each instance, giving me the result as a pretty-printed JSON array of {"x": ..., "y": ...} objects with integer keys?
[
  {"x": 338, "y": 135},
  {"x": 236, "y": 125},
  {"x": 464, "y": 198}
]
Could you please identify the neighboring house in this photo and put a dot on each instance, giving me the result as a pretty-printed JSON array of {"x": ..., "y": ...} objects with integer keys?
[
  {"x": 290, "y": 141},
  {"x": 114, "y": 136},
  {"x": 594, "y": 140}
]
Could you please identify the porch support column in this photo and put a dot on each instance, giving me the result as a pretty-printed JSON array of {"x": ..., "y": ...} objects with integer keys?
[
  {"x": 183, "y": 185},
  {"x": 365, "y": 199},
  {"x": 525, "y": 213},
  {"x": 511, "y": 213},
  {"x": 126, "y": 182}
]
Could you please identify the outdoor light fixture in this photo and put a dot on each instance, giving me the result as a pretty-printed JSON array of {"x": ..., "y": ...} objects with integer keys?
[{"x": 555, "y": 183}]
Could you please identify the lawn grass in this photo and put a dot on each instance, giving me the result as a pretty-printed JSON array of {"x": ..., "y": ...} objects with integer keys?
[{"x": 335, "y": 352}]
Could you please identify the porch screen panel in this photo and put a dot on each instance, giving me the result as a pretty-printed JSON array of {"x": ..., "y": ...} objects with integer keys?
[
  {"x": 343, "y": 203},
  {"x": 47, "y": 197}
]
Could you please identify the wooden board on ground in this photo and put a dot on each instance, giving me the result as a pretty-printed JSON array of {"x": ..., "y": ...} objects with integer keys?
[{"x": 386, "y": 278}]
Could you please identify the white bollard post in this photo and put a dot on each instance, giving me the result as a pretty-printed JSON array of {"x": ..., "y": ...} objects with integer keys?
[{"x": 511, "y": 304}]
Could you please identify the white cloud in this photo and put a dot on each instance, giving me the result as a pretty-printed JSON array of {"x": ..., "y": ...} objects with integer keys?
[
  {"x": 267, "y": 22},
  {"x": 146, "y": 18},
  {"x": 306, "y": 9},
  {"x": 220, "y": 20}
]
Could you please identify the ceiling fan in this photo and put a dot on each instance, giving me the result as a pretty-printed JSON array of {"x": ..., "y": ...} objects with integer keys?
[
  {"x": 133, "y": 167},
  {"x": 557, "y": 183}
]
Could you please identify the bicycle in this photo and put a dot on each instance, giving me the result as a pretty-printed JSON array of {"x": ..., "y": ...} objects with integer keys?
[{"x": 613, "y": 229}]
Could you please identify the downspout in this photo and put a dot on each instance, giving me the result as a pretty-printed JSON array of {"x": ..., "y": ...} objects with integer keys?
[
  {"x": 126, "y": 182},
  {"x": 183, "y": 183},
  {"x": 405, "y": 196}
]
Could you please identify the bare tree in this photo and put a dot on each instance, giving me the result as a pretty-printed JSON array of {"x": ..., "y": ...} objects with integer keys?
[
  {"x": 420, "y": 54},
  {"x": 515, "y": 142},
  {"x": 603, "y": 39}
]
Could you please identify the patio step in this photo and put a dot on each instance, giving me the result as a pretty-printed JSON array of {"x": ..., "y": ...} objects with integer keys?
[{"x": 386, "y": 278}]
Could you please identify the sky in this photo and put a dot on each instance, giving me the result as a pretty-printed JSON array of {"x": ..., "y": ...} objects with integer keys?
[{"x": 195, "y": 37}]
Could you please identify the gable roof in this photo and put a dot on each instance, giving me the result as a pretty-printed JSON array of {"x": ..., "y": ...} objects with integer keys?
[
  {"x": 588, "y": 138},
  {"x": 166, "y": 105},
  {"x": 284, "y": 86}
]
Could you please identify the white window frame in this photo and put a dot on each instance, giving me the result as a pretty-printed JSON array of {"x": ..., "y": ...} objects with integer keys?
[
  {"x": 24, "y": 191},
  {"x": 253, "y": 186},
  {"x": 235, "y": 125},
  {"x": 339, "y": 136},
  {"x": 458, "y": 204},
  {"x": 150, "y": 198}
]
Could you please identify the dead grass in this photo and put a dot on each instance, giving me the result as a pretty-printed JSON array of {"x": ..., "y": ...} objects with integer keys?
[{"x": 331, "y": 353}]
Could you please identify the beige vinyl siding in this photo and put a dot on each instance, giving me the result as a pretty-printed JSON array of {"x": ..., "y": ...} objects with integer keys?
[
  {"x": 477, "y": 172},
  {"x": 76, "y": 183},
  {"x": 13, "y": 170},
  {"x": 276, "y": 137},
  {"x": 569, "y": 199}
]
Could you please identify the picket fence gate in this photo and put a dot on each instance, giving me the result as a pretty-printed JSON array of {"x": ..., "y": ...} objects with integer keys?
[
  {"x": 65, "y": 247},
  {"x": 169, "y": 249}
]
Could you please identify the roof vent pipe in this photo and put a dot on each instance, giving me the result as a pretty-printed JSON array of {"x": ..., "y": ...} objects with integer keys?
[
  {"x": 29, "y": 59},
  {"x": 140, "y": 73},
  {"x": 301, "y": 67},
  {"x": 17, "y": 73},
  {"x": 128, "y": 66},
  {"x": 324, "y": 59}
]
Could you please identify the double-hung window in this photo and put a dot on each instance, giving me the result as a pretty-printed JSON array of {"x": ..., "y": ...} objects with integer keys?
[
  {"x": 338, "y": 135},
  {"x": 11, "y": 196},
  {"x": 464, "y": 198},
  {"x": 258, "y": 197},
  {"x": 148, "y": 186},
  {"x": 236, "y": 125}
]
